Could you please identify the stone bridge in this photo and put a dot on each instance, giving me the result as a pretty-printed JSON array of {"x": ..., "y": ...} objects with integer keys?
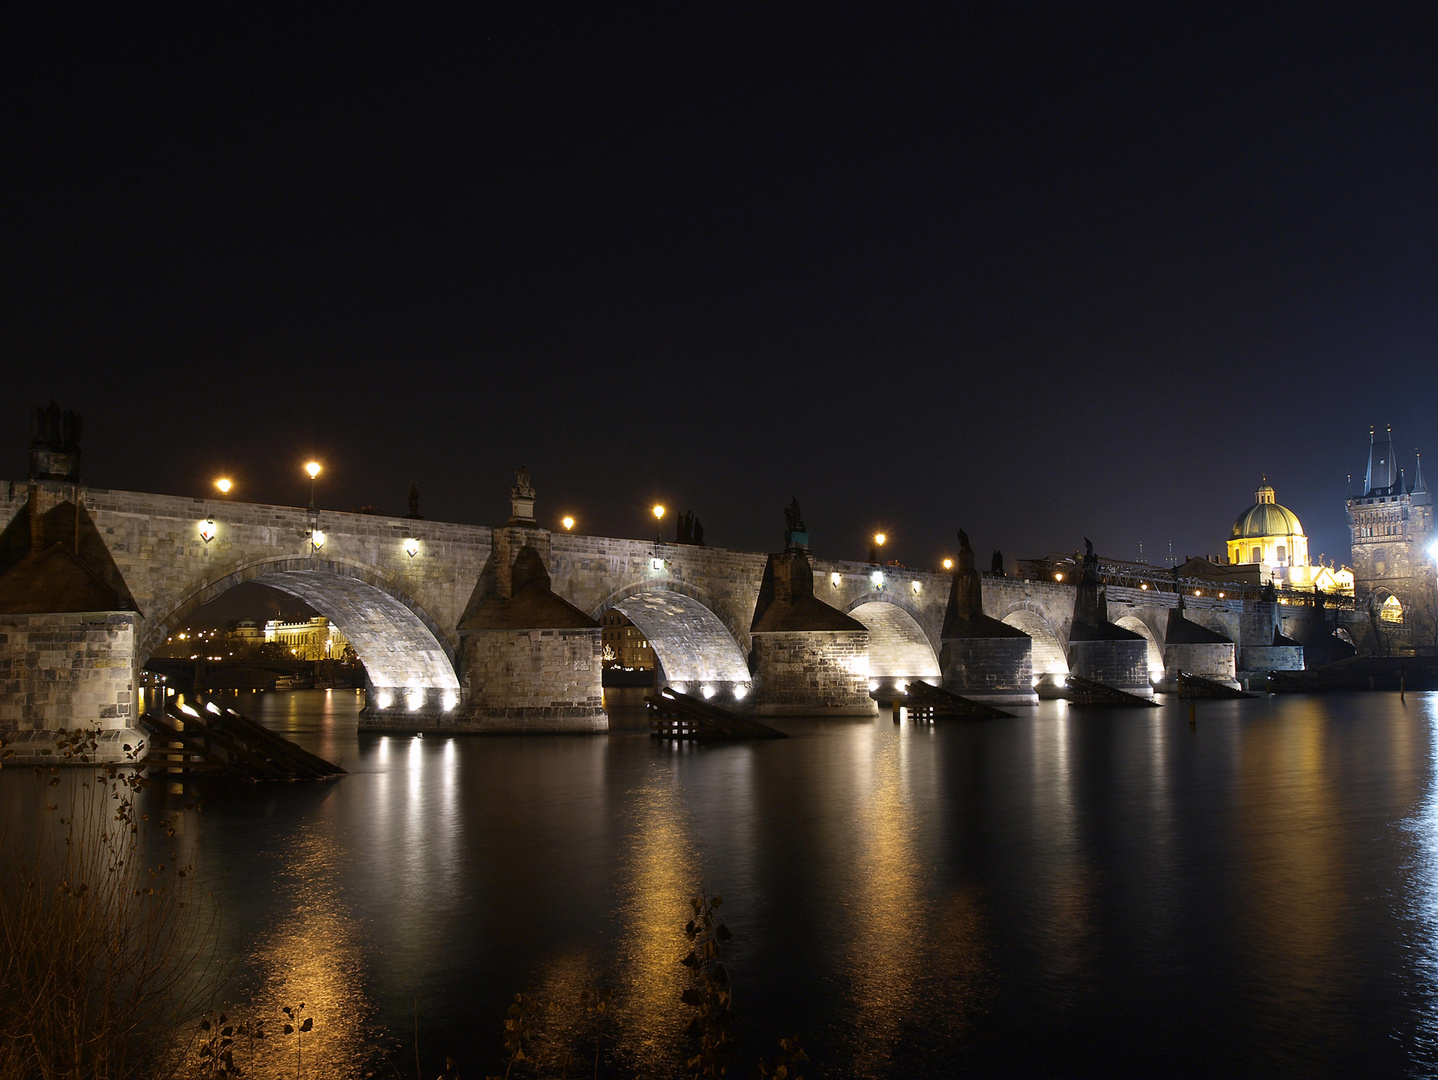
[{"x": 409, "y": 593}]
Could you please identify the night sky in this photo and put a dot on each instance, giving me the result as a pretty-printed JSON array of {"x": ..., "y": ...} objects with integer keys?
[{"x": 1038, "y": 275}]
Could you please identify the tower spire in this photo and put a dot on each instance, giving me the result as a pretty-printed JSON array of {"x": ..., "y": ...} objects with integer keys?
[
  {"x": 1382, "y": 477},
  {"x": 1419, "y": 487}
]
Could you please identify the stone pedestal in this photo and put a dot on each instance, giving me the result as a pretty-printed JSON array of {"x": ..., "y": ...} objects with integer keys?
[
  {"x": 808, "y": 659},
  {"x": 75, "y": 670},
  {"x": 531, "y": 661},
  {"x": 811, "y": 673},
  {"x": 994, "y": 669},
  {"x": 1197, "y": 650},
  {"x": 1121, "y": 663},
  {"x": 979, "y": 656}
]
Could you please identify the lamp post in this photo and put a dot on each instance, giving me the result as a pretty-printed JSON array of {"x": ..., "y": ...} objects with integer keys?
[
  {"x": 567, "y": 521},
  {"x": 313, "y": 468},
  {"x": 317, "y": 538},
  {"x": 658, "y": 535},
  {"x": 876, "y": 548}
]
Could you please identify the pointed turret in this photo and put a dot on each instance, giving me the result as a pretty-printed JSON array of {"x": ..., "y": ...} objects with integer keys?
[
  {"x": 1419, "y": 490},
  {"x": 1382, "y": 476}
]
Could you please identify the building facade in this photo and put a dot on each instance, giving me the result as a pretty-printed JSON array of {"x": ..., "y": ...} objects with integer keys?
[
  {"x": 308, "y": 639},
  {"x": 1268, "y": 538},
  {"x": 624, "y": 644},
  {"x": 1390, "y": 526}
]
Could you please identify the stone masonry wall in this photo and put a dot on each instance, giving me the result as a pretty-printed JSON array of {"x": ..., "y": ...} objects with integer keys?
[
  {"x": 68, "y": 671},
  {"x": 980, "y": 667},
  {"x": 1120, "y": 664},
  {"x": 1207, "y": 660},
  {"x": 533, "y": 680},
  {"x": 812, "y": 673}
]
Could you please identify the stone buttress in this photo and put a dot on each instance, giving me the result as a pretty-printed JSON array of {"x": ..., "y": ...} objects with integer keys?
[{"x": 981, "y": 657}]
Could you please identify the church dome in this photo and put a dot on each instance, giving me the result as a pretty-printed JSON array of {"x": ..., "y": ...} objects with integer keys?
[{"x": 1266, "y": 518}]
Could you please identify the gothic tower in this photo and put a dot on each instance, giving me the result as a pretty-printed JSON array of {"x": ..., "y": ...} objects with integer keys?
[{"x": 1390, "y": 525}]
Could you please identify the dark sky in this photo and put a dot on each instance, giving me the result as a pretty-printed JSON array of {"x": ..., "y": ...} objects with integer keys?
[{"x": 1038, "y": 275}]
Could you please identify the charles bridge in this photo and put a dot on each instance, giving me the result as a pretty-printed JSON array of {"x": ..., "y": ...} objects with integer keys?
[{"x": 464, "y": 627}]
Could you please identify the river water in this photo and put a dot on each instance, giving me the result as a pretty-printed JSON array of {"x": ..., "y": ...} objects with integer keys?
[{"x": 1070, "y": 893}]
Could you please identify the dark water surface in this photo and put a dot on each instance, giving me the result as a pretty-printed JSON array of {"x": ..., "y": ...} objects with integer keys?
[{"x": 1071, "y": 893}]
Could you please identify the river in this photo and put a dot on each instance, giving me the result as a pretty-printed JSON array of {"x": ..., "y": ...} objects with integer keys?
[{"x": 1069, "y": 893}]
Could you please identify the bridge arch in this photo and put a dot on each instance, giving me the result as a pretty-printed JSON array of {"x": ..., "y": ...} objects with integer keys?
[
  {"x": 400, "y": 644},
  {"x": 899, "y": 646},
  {"x": 697, "y": 651},
  {"x": 1050, "y": 649},
  {"x": 1135, "y": 622}
]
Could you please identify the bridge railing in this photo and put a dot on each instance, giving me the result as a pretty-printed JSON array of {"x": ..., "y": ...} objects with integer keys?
[{"x": 1149, "y": 578}]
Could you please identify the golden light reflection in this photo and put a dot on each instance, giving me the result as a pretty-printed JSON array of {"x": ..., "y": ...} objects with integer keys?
[
  {"x": 889, "y": 918},
  {"x": 1294, "y": 889},
  {"x": 315, "y": 956},
  {"x": 661, "y": 870}
]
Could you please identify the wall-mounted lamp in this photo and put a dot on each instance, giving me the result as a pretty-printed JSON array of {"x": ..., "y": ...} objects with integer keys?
[
  {"x": 411, "y": 547},
  {"x": 207, "y": 530},
  {"x": 317, "y": 539},
  {"x": 916, "y": 587}
]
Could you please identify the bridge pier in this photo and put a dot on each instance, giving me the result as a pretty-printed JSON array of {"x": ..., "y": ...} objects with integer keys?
[{"x": 808, "y": 659}]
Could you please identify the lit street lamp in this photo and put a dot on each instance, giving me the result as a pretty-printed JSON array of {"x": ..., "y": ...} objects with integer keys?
[
  {"x": 313, "y": 468},
  {"x": 567, "y": 522},
  {"x": 876, "y": 546}
]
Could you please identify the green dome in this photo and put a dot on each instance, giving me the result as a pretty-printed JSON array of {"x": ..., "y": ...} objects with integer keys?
[{"x": 1266, "y": 519}]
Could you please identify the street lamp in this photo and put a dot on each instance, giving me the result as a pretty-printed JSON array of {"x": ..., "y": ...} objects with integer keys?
[
  {"x": 567, "y": 522},
  {"x": 948, "y": 564},
  {"x": 207, "y": 530},
  {"x": 658, "y": 536},
  {"x": 313, "y": 468},
  {"x": 875, "y": 546}
]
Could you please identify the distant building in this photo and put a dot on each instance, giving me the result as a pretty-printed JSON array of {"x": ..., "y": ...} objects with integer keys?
[
  {"x": 1268, "y": 542},
  {"x": 624, "y": 644},
  {"x": 245, "y": 634},
  {"x": 308, "y": 639},
  {"x": 1390, "y": 526}
]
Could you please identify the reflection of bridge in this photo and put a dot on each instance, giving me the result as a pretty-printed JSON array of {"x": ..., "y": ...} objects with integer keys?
[{"x": 414, "y": 597}]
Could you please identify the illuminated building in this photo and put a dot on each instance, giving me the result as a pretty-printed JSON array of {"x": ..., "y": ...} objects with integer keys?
[
  {"x": 1390, "y": 527},
  {"x": 308, "y": 639},
  {"x": 1268, "y": 537},
  {"x": 624, "y": 644}
]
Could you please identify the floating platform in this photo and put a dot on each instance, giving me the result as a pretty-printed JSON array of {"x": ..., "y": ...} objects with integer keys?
[
  {"x": 673, "y": 715},
  {"x": 1196, "y": 686},
  {"x": 927, "y": 703},
  {"x": 207, "y": 740},
  {"x": 1087, "y": 692}
]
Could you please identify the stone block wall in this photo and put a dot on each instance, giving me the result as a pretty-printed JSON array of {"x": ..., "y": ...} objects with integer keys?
[
  {"x": 1121, "y": 664},
  {"x": 1272, "y": 658},
  {"x": 533, "y": 681},
  {"x": 68, "y": 671},
  {"x": 812, "y": 673},
  {"x": 1208, "y": 660},
  {"x": 999, "y": 669}
]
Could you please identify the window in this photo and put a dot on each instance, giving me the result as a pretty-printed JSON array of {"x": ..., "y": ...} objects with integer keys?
[
  {"x": 1257, "y": 555},
  {"x": 1282, "y": 555}
]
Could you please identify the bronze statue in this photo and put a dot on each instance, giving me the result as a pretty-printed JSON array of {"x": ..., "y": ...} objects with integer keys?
[
  {"x": 523, "y": 485},
  {"x": 793, "y": 520}
]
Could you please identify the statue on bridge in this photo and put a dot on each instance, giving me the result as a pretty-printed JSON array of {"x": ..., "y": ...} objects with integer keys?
[
  {"x": 793, "y": 520},
  {"x": 523, "y": 485},
  {"x": 50, "y": 429},
  {"x": 796, "y": 537},
  {"x": 996, "y": 565},
  {"x": 413, "y": 501}
]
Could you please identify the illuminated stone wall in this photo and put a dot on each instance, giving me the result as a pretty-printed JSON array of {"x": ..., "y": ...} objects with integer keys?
[
  {"x": 533, "y": 680},
  {"x": 990, "y": 669},
  {"x": 812, "y": 673},
  {"x": 1207, "y": 660},
  {"x": 69, "y": 671},
  {"x": 1121, "y": 664}
]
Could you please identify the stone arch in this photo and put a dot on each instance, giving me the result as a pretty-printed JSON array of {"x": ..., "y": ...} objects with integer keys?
[
  {"x": 899, "y": 647},
  {"x": 1050, "y": 650},
  {"x": 1133, "y": 621},
  {"x": 696, "y": 650},
  {"x": 401, "y": 646}
]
